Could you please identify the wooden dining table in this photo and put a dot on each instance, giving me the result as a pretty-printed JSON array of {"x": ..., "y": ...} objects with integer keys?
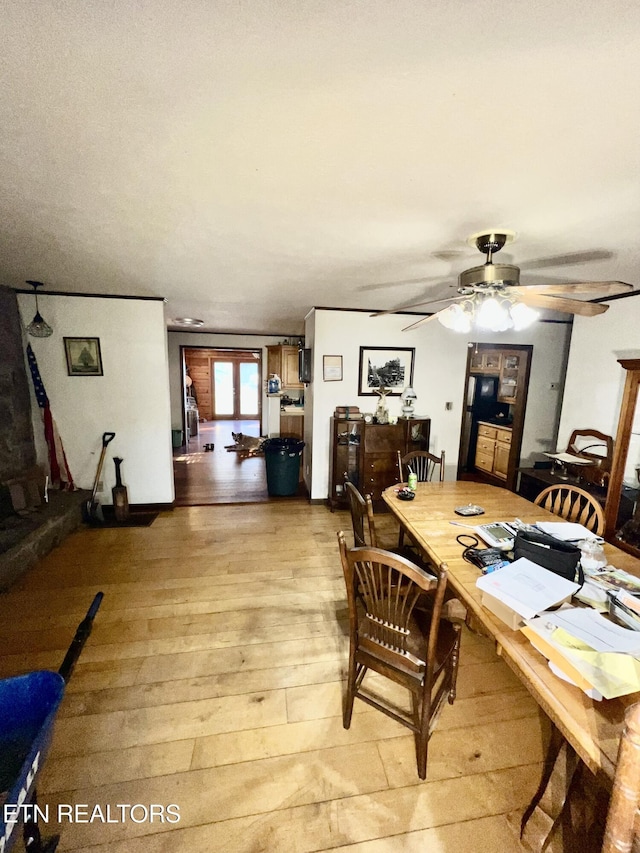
[{"x": 584, "y": 730}]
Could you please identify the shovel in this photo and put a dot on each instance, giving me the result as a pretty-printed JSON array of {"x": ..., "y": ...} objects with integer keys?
[{"x": 92, "y": 509}]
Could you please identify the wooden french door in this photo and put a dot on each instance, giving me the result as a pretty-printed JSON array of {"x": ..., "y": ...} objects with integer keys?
[
  {"x": 235, "y": 388},
  {"x": 226, "y": 383}
]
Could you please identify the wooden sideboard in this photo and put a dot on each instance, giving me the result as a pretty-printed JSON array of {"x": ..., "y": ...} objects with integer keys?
[
  {"x": 533, "y": 480},
  {"x": 368, "y": 453}
]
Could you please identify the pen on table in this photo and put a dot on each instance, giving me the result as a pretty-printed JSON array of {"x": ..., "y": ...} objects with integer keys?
[{"x": 460, "y": 524}]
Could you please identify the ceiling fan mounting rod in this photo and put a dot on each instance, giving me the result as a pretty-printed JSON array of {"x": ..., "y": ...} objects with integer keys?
[{"x": 489, "y": 244}]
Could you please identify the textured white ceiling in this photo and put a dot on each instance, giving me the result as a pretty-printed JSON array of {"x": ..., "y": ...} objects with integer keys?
[{"x": 249, "y": 160}]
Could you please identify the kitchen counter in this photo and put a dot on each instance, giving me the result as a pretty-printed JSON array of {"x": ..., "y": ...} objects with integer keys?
[{"x": 497, "y": 423}]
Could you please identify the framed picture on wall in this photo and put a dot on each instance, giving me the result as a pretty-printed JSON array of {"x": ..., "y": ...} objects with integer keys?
[
  {"x": 332, "y": 368},
  {"x": 385, "y": 367},
  {"x": 83, "y": 356}
]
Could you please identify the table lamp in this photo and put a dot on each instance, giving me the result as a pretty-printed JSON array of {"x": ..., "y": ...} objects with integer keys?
[{"x": 408, "y": 398}]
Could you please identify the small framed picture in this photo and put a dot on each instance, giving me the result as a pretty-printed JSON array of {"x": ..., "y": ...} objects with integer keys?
[
  {"x": 83, "y": 356},
  {"x": 385, "y": 367},
  {"x": 332, "y": 368}
]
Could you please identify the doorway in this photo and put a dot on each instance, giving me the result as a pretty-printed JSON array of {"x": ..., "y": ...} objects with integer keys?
[
  {"x": 225, "y": 383},
  {"x": 222, "y": 395},
  {"x": 495, "y": 395}
]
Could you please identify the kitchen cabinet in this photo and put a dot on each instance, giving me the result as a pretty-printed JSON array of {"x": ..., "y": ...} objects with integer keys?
[
  {"x": 291, "y": 426},
  {"x": 501, "y": 456},
  {"x": 486, "y": 361},
  {"x": 283, "y": 360},
  {"x": 510, "y": 376},
  {"x": 368, "y": 454},
  {"x": 493, "y": 449}
]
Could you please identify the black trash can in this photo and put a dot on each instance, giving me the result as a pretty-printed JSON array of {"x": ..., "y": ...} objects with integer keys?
[{"x": 282, "y": 458}]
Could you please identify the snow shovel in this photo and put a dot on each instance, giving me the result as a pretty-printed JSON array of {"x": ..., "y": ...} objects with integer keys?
[{"x": 92, "y": 509}]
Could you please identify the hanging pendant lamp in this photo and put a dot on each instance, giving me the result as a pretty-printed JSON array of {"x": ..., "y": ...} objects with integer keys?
[{"x": 38, "y": 328}]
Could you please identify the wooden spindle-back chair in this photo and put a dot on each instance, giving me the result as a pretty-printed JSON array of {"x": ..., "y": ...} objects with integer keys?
[
  {"x": 391, "y": 634},
  {"x": 362, "y": 520},
  {"x": 424, "y": 465},
  {"x": 573, "y": 504}
]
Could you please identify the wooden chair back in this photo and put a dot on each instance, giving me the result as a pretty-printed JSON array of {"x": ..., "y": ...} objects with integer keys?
[
  {"x": 423, "y": 464},
  {"x": 396, "y": 630},
  {"x": 573, "y": 504},
  {"x": 595, "y": 446},
  {"x": 361, "y": 509},
  {"x": 621, "y": 831}
]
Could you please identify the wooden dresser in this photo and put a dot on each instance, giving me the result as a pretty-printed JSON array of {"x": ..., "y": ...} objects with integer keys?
[{"x": 368, "y": 453}]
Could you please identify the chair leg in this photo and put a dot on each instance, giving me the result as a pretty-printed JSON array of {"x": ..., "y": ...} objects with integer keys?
[
  {"x": 352, "y": 678},
  {"x": 454, "y": 669},
  {"x": 422, "y": 735}
]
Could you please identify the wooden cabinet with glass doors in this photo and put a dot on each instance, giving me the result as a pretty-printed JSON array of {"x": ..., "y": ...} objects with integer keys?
[
  {"x": 510, "y": 376},
  {"x": 368, "y": 454},
  {"x": 486, "y": 362}
]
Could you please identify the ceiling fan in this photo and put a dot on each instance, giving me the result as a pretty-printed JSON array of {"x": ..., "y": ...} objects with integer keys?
[{"x": 492, "y": 297}]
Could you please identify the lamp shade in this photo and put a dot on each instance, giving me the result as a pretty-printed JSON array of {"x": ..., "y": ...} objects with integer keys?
[{"x": 38, "y": 327}]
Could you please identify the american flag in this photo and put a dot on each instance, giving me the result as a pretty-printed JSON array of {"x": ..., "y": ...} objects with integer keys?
[{"x": 59, "y": 472}]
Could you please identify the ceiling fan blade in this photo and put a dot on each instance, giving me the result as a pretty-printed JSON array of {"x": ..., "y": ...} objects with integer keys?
[
  {"x": 568, "y": 259},
  {"x": 385, "y": 285},
  {"x": 423, "y": 320},
  {"x": 606, "y": 288},
  {"x": 413, "y": 305},
  {"x": 558, "y": 303}
]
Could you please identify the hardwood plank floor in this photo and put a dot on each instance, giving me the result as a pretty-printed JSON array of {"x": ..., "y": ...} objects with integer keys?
[{"x": 213, "y": 680}]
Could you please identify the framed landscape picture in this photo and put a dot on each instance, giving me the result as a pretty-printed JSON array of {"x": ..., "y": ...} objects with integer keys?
[
  {"x": 382, "y": 367},
  {"x": 83, "y": 356}
]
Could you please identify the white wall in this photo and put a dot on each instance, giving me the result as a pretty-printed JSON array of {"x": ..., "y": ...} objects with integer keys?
[
  {"x": 204, "y": 339},
  {"x": 131, "y": 399},
  {"x": 439, "y": 376},
  {"x": 595, "y": 380}
]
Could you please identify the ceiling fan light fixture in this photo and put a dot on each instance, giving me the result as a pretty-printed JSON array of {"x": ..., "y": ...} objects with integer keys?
[
  {"x": 523, "y": 316},
  {"x": 188, "y": 321},
  {"x": 456, "y": 318},
  {"x": 493, "y": 314}
]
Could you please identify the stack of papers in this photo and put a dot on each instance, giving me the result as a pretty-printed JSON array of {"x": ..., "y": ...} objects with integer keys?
[
  {"x": 587, "y": 650},
  {"x": 568, "y": 531},
  {"x": 526, "y": 587}
]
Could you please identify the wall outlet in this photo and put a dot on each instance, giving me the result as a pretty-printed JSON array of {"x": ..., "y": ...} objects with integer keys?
[{"x": 448, "y": 407}]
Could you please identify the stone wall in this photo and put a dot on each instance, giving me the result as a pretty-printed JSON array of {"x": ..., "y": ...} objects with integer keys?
[{"x": 17, "y": 450}]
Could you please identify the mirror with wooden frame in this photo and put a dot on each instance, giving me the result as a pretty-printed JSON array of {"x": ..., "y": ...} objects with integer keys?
[{"x": 623, "y": 529}]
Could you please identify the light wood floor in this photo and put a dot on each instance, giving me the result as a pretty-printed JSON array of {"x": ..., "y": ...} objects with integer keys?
[
  {"x": 212, "y": 680},
  {"x": 219, "y": 476}
]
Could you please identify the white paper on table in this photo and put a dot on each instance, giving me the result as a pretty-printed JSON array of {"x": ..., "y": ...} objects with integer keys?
[
  {"x": 568, "y": 531},
  {"x": 526, "y": 587},
  {"x": 592, "y": 628},
  {"x": 569, "y": 457}
]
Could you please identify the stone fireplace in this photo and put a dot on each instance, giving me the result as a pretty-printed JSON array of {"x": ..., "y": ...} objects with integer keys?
[
  {"x": 17, "y": 450},
  {"x": 25, "y": 535}
]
